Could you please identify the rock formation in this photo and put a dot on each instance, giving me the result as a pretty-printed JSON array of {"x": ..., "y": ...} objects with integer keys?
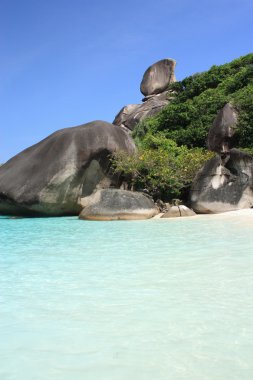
[
  {"x": 177, "y": 211},
  {"x": 223, "y": 129},
  {"x": 219, "y": 188},
  {"x": 114, "y": 204},
  {"x": 158, "y": 76},
  {"x": 50, "y": 177},
  {"x": 225, "y": 182},
  {"x": 154, "y": 86}
]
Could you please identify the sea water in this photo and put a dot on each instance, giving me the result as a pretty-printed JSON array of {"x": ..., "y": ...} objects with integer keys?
[{"x": 139, "y": 300}]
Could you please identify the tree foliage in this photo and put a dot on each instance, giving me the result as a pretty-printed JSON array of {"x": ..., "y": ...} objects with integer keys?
[
  {"x": 161, "y": 167},
  {"x": 197, "y": 99},
  {"x": 171, "y": 144}
]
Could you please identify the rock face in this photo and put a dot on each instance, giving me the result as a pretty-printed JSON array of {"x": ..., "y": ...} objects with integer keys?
[
  {"x": 223, "y": 129},
  {"x": 129, "y": 116},
  {"x": 113, "y": 204},
  {"x": 121, "y": 119},
  {"x": 224, "y": 186},
  {"x": 177, "y": 211},
  {"x": 225, "y": 182},
  {"x": 50, "y": 177},
  {"x": 154, "y": 86},
  {"x": 158, "y": 76}
]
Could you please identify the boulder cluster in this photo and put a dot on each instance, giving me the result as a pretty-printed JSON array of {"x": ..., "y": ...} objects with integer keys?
[
  {"x": 154, "y": 85},
  {"x": 225, "y": 182},
  {"x": 69, "y": 172}
]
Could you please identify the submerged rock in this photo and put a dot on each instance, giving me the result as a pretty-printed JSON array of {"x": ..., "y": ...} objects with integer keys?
[
  {"x": 50, "y": 177},
  {"x": 158, "y": 76},
  {"x": 220, "y": 187},
  {"x": 114, "y": 204},
  {"x": 177, "y": 211}
]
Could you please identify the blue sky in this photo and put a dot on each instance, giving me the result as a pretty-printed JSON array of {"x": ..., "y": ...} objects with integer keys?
[{"x": 65, "y": 63}]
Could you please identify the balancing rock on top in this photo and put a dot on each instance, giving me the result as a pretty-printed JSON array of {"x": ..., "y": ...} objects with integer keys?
[
  {"x": 154, "y": 86},
  {"x": 158, "y": 76}
]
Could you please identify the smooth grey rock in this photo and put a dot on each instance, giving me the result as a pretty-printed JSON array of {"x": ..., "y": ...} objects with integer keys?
[
  {"x": 177, "y": 211},
  {"x": 50, "y": 177},
  {"x": 158, "y": 76},
  {"x": 220, "y": 188},
  {"x": 124, "y": 113},
  {"x": 166, "y": 95},
  {"x": 114, "y": 204},
  {"x": 130, "y": 116},
  {"x": 223, "y": 129}
]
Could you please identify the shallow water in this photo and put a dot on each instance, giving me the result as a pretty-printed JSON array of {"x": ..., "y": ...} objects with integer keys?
[{"x": 142, "y": 300}]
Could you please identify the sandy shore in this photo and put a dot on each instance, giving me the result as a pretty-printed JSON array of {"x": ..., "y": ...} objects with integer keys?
[{"x": 244, "y": 215}]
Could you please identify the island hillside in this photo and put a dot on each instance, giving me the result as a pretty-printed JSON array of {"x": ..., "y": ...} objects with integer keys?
[
  {"x": 173, "y": 143},
  {"x": 177, "y": 145}
]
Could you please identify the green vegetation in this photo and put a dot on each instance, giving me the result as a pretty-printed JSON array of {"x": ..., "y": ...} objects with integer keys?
[
  {"x": 188, "y": 118},
  {"x": 172, "y": 143},
  {"x": 160, "y": 167}
]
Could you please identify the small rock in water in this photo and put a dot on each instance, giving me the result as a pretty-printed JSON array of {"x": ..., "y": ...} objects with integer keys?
[
  {"x": 115, "y": 204},
  {"x": 177, "y": 211}
]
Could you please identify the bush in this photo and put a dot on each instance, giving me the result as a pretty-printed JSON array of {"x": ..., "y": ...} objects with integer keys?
[
  {"x": 161, "y": 167},
  {"x": 189, "y": 116},
  {"x": 171, "y": 144}
]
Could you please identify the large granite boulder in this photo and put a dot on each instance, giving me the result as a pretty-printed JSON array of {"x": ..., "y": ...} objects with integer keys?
[
  {"x": 223, "y": 129},
  {"x": 158, "y": 76},
  {"x": 114, "y": 204},
  {"x": 129, "y": 116},
  {"x": 50, "y": 177},
  {"x": 224, "y": 186}
]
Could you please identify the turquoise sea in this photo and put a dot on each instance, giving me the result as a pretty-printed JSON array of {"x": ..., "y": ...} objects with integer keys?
[{"x": 139, "y": 300}]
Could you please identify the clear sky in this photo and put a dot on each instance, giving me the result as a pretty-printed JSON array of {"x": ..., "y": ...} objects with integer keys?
[{"x": 68, "y": 62}]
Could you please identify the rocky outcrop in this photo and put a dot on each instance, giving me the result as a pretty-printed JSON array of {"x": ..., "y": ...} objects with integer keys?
[
  {"x": 129, "y": 116},
  {"x": 223, "y": 129},
  {"x": 121, "y": 119},
  {"x": 158, "y": 76},
  {"x": 114, "y": 204},
  {"x": 154, "y": 86},
  {"x": 50, "y": 177},
  {"x": 177, "y": 211},
  {"x": 224, "y": 187},
  {"x": 225, "y": 182}
]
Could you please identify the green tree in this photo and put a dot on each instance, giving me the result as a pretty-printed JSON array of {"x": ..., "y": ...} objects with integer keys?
[
  {"x": 161, "y": 167},
  {"x": 198, "y": 98}
]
